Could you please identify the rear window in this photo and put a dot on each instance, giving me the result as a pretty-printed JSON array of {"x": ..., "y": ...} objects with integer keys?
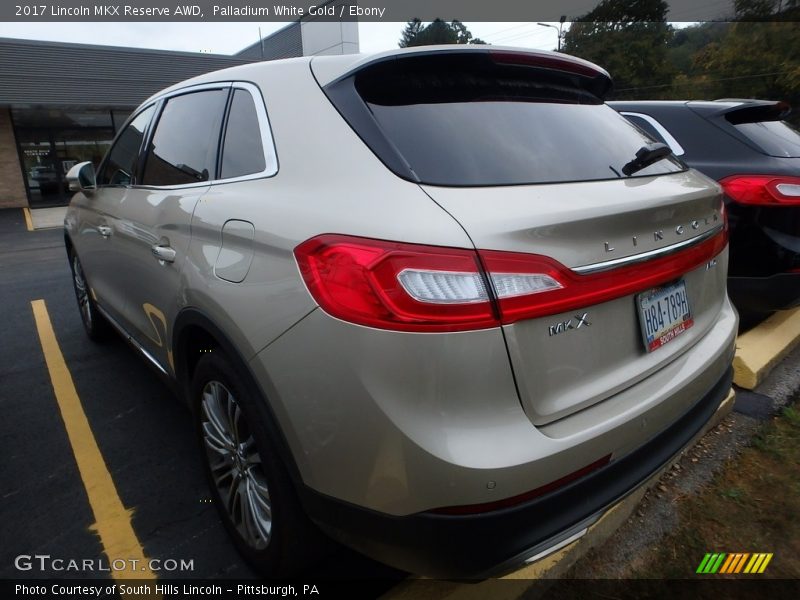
[
  {"x": 775, "y": 138},
  {"x": 470, "y": 122}
]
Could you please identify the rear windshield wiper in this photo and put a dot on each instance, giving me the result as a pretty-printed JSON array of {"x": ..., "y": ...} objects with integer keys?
[{"x": 646, "y": 156}]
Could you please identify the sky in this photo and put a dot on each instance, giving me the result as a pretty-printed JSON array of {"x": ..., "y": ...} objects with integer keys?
[{"x": 228, "y": 38}]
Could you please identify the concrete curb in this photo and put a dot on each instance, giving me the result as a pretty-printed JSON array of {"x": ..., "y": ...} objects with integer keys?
[
  {"x": 45, "y": 218},
  {"x": 513, "y": 585},
  {"x": 761, "y": 348}
]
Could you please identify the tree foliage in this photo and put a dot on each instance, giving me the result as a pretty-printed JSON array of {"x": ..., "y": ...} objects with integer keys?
[
  {"x": 755, "y": 56},
  {"x": 629, "y": 38},
  {"x": 436, "y": 32},
  {"x": 752, "y": 60}
]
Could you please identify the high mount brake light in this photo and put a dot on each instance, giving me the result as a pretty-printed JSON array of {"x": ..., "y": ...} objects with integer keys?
[
  {"x": 412, "y": 287},
  {"x": 763, "y": 190},
  {"x": 545, "y": 62}
]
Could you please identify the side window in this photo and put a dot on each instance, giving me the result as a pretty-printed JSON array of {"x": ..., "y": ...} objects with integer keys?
[
  {"x": 119, "y": 167},
  {"x": 655, "y": 130},
  {"x": 184, "y": 146},
  {"x": 243, "y": 151}
]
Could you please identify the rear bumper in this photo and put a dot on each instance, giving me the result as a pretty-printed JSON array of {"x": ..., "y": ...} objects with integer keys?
[
  {"x": 765, "y": 294},
  {"x": 478, "y": 546}
]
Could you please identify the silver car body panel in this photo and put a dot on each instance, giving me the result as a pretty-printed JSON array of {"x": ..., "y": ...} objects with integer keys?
[
  {"x": 407, "y": 422},
  {"x": 403, "y": 423}
]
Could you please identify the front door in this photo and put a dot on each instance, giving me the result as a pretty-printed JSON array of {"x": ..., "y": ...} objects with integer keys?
[
  {"x": 98, "y": 215},
  {"x": 154, "y": 229}
]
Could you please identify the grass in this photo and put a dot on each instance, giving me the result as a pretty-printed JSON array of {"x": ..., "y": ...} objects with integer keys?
[{"x": 752, "y": 505}]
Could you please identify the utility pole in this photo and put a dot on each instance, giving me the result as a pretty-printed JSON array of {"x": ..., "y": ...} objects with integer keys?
[{"x": 559, "y": 29}]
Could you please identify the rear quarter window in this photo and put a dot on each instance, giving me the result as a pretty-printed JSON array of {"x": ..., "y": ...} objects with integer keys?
[
  {"x": 242, "y": 151},
  {"x": 775, "y": 138}
]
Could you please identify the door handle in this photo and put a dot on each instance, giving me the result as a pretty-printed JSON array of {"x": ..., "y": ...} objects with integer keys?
[
  {"x": 104, "y": 230},
  {"x": 165, "y": 253}
]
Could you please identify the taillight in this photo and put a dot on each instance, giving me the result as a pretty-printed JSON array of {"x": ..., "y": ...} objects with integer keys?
[
  {"x": 576, "y": 290},
  {"x": 411, "y": 287},
  {"x": 762, "y": 190},
  {"x": 389, "y": 285}
]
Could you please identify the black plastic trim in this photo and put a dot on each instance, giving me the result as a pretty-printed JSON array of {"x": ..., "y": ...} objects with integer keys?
[{"x": 765, "y": 294}]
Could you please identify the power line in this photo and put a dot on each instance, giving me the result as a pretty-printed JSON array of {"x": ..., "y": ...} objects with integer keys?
[
  {"x": 694, "y": 83},
  {"x": 535, "y": 33},
  {"x": 513, "y": 35},
  {"x": 493, "y": 33}
]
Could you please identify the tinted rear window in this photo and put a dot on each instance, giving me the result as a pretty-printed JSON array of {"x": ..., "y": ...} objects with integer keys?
[
  {"x": 476, "y": 124},
  {"x": 776, "y": 138}
]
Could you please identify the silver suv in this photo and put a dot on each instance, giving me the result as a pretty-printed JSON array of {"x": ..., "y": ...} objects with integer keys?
[{"x": 443, "y": 304}]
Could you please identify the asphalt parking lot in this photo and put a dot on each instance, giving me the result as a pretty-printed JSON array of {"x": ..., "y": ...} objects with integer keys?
[{"x": 143, "y": 436}]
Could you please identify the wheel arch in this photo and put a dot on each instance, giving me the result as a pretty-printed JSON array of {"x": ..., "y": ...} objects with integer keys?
[
  {"x": 68, "y": 242},
  {"x": 193, "y": 333}
]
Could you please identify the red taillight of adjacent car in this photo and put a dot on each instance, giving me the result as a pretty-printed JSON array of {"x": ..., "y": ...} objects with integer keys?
[
  {"x": 762, "y": 190},
  {"x": 411, "y": 287}
]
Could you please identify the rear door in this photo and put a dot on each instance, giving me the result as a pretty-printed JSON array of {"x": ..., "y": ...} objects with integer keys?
[{"x": 601, "y": 278}]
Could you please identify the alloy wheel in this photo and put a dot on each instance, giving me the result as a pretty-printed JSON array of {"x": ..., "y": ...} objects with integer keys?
[
  {"x": 81, "y": 292},
  {"x": 235, "y": 465}
]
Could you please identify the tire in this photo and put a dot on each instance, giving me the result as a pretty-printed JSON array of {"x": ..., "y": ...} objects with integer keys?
[
  {"x": 249, "y": 486},
  {"x": 751, "y": 318},
  {"x": 95, "y": 324}
]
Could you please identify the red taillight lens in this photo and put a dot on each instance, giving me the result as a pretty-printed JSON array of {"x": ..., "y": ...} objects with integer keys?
[
  {"x": 579, "y": 291},
  {"x": 362, "y": 281},
  {"x": 762, "y": 190},
  {"x": 411, "y": 287}
]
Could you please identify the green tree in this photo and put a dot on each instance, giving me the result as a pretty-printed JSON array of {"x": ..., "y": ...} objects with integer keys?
[
  {"x": 436, "y": 32},
  {"x": 766, "y": 10},
  {"x": 629, "y": 38},
  {"x": 410, "y": 32},
  {"x": 688, "y": 41},
  {"x": 769, "y": 68}
]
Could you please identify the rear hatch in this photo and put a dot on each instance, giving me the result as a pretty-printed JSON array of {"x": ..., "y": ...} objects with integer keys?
[
  {"x": 765, "y": 189},
  {"x": 600, "y": 278}
]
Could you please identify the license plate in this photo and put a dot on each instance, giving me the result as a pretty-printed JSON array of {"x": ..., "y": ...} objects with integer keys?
[{"x": 664, "y": 314}]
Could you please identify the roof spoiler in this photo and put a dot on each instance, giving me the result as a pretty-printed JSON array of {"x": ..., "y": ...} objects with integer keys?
[
  {"x": 587, "y": 75},
  {"x": 598, "y": 79},
  {"x": 753, "y": 111}
]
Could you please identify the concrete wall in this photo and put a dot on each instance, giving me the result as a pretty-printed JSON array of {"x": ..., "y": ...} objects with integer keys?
[
  {"x": 12, "y": 185},
  {"x": 325, "y": 37}
]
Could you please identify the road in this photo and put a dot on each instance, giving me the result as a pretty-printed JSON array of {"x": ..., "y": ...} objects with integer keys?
[{"x": 143, "y": 434}]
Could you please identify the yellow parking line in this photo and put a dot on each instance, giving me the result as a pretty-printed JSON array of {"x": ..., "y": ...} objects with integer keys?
[
  {"x": 28, "y": 219},
  {"x": 113, "y": 521}
]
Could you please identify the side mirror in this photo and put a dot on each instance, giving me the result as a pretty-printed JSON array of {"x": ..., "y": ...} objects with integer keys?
[{"x": 81, "y": 178}]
